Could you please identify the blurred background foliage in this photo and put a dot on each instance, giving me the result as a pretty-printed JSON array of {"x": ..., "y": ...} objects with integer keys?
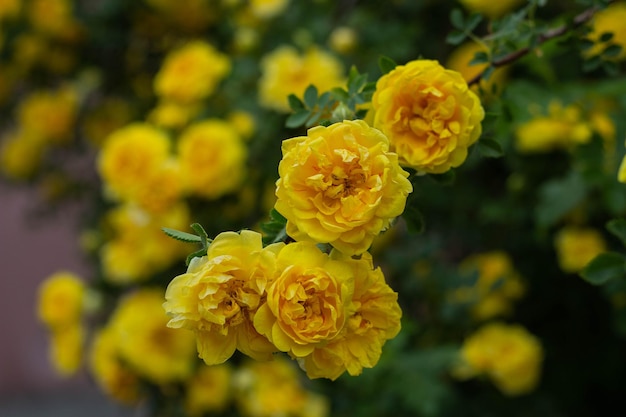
[{"x": 501, "y": 239}]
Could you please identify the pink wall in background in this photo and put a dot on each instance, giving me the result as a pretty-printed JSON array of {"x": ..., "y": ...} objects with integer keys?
[{"x": 28, "y": 254}]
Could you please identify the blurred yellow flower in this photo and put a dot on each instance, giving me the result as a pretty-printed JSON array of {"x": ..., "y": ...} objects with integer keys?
[
  {"x": 172, "y": 115},
  {"x": 108, "y": 370},
  {"x": 508, "y": 354},
  {"x": 562, "y": 128},
  {"x": 285, "y": 71},
  {"x": 243, "y": 122},
  {"x": 208, "y": 390},
  {"x": 191, "y": 72},
  {"x": 129, "y": 156},
  {"x": 340, "y": 185},
  {"x": 138, "y": 248},
  {"x": 146, "y": 344},
  {"x": 219, "y": 294},
  {"x": 459, "y": 60},
  {"x": 343, "y": 39},
  {"x": 53, "y": 18},
  {"x": 61, "y": 298},
  {"x": 307, "y": 303},
  {"x": 576, "y": 246},
  {"x": 21, "y": 154},
  {"x": 269, "y": 389},
  {"x": 9, "y": 8},
  {"x": 373, "y": 318},
  {"x": 267, "y": 9},
  {"x": 212, "y": 158},
  {"x": 491, "y": 9},
  {"x": 66, "y": 348},
  {"x": 497, "y": 287},
  {"x": 429, "y": 114},
  {"x": 50, "y": 115},
  {"x": 610, "y": 20}
]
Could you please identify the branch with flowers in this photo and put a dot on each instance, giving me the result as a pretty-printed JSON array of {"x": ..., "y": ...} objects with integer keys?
[{"x": 398, "y": 233}]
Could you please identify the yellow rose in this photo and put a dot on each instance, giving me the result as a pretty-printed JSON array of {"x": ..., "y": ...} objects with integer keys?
[
  {"x": 273, "y": 388},
  {"x": 491, "y": 9},
  {"x": 49, "y": 115},
  {"x": 219, "y": 294},
  {"x": 508, "y": 354},
  {"x": 497, "y": 287},
  {"x": 285, "y": 71},
  {"x": 146, "y": 344},
  {"x": 191, "y": 72},
  {"x": 307, "y": 302},
  {"x": 429, "y": 114},
  {"x": 340, "y": 185},
  {"x": 212, "y": 158},
  {"x": 577, "y": 246},
  {"x": 108, "y": 371},
  {"x": 208, "y": 390},
  {"x": 61, "y": 298},
  {"x": 610, "y": 20},
  {"x": 374, "y": 317},
  {"x": 562, "y": 128},
  {"x": 131, "y": 155}
]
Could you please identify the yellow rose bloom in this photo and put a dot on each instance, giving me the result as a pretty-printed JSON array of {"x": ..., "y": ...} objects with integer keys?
[
  {"x": 146, "y": 344},
  {"x": 491, "y": 9},
  {"x": 191, "y": 72},
  {"x": 621, "y": 173},
  {"x": 268, "y": 389},
  {"x": 66, "y": 348},
  {"x": 373, "y": 319},
  {"x": 108, "y": 371},
  {"x": 219, "y": 294},
  {"x": 498, "y": 284},
  {"x": 208, "y": 390},
  {"x": 508, "y": 354},
  {"x": 212, "y": 158},
  {"x": 429, "y": 114},
  {"x": 577, "y": 246},
  {"x": 129, "y": 156},
  {"x": 340, "y": 185},
  {"x": 610, "y": 20},
  {"x": 562, "y": 128},
  {"x": 49, "y": 115},
  {"x": 61, "y": 298},
  {"x": 285, "y": 71},
  {"x": 307, "y": 303},
  {"x": 21, "y": 155}
]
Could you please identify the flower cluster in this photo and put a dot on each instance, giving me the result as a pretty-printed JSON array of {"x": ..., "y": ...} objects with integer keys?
[{"x": 292, "y": 298}]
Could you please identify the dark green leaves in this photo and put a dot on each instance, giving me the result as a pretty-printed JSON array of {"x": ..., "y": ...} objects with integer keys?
[
  {"x": 557, "y": 197},
  {"x": 274, "y": 229},
  {"x": 201, "y": 238},
  {"x": 605, "y": 267},
  {"x": 618, "y": 228},
  {"x": 463, "y": 26},
  {"x": 386, "y": 64}
]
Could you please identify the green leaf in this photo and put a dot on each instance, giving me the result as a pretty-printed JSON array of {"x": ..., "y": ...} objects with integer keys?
[
  {"x": 340, "y": 94},
  {"x": 558, "y": 197},
  {"x": 197, "y": 254},
  {"x": 586, "y": 44},
  {"x": 612, "y": 51},
  {"x": 605, "y": 267},
  {"x": 204, "y": 237},
  {"x": 473, "y": 21},
  {"x": 606, "y": 36},
  {"x": 297, "y": 119},
  {"x": 310, "y": 96},
  {"x": 182, "y": 236},
  {"x": 592, "y": 64},
  {"x": 275, "y": 228},
  {"x": 480, "y": 58},
  {"x": 295, "y": 103},
  {"x": 489, "y": 148},
  {"x": 617, "y": 227},
  {"x": 457, "y": 19},
  {"x": 456, "y": 37},
  {"x": 386, "y": 64}
]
